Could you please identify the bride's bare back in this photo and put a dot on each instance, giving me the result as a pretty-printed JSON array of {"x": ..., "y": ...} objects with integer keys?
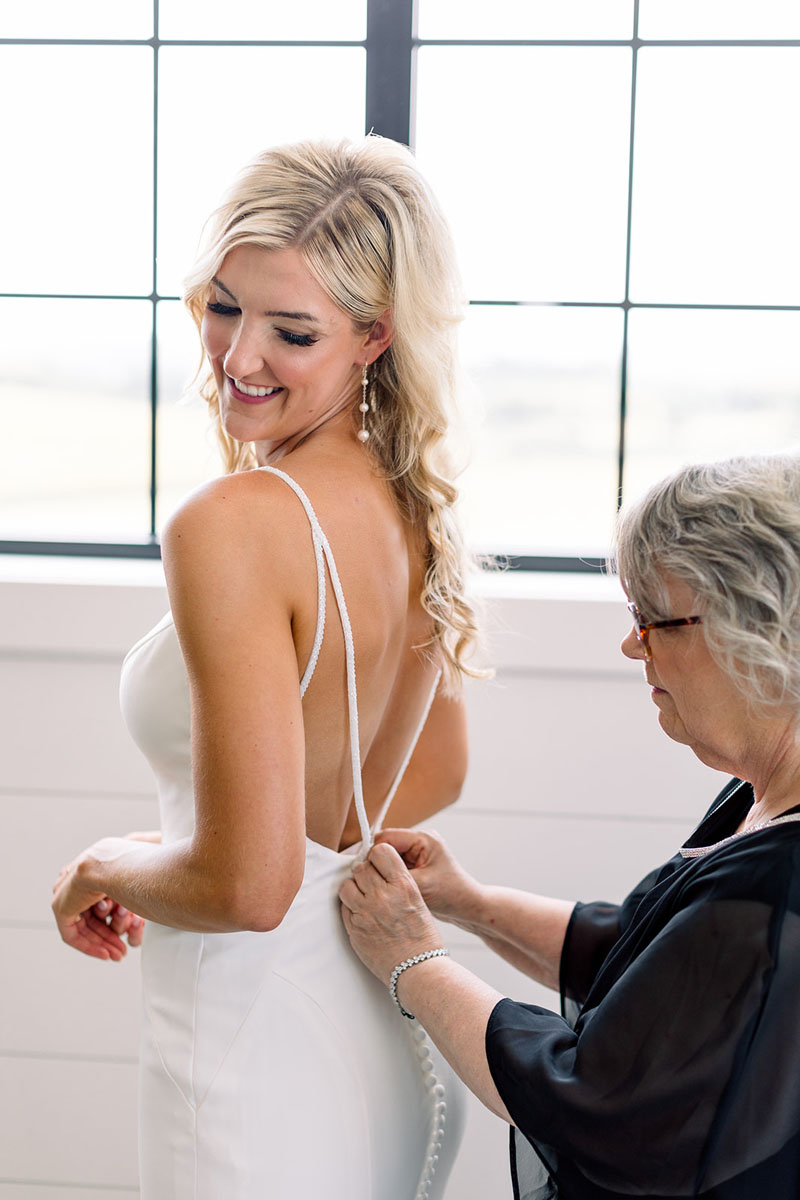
[{"x": 285, "y": 768}]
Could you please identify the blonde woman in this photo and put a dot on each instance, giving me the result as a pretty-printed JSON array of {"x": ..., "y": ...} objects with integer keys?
[{"x": 304, "y": 686}]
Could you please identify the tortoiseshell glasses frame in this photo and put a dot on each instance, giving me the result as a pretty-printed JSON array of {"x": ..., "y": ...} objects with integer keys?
[{"x": 643, "y": 627}]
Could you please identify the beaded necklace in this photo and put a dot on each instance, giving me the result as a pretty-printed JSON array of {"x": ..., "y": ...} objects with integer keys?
[{"x": 700, "y": 851}]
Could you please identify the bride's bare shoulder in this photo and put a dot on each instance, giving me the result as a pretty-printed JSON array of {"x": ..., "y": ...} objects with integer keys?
[
  {"x": 237, "y": 532},
  {"x": 229, "y": 508}
]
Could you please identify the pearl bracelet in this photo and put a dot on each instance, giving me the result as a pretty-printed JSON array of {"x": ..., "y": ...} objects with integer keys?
[{"x": 403, "y": 966}]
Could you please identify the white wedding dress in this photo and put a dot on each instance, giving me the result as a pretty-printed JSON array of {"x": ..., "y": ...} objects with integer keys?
[{"x": 274, "y": 1066}]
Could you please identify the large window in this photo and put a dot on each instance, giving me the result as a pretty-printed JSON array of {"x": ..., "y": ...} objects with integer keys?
[{"x": 622, "y": 183}]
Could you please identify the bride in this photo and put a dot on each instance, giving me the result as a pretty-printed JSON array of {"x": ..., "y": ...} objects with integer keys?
[{"x": 305, "y": 684}]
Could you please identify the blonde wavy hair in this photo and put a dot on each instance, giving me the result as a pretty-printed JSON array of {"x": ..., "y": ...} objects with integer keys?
[{"x": 371, "y": 233}]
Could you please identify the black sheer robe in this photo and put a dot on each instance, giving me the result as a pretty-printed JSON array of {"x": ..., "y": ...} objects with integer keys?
[{"x": 681, "y": 1074}]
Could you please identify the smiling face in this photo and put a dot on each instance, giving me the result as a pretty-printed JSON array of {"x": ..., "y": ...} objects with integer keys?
[{"x": 285, "y": 358}]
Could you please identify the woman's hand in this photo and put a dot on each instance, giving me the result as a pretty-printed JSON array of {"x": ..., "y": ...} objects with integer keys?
[
  {"x": 75, "y": 907},
  {"x": 384, "y": 913},
  {"x": 449, "y": 892},
  {"x": 90, "y": 921},
  {"x": 120, "y": 919}
]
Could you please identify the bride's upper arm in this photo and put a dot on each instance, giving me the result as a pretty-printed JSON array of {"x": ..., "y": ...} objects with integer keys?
[{"x": 229, "y": 575}]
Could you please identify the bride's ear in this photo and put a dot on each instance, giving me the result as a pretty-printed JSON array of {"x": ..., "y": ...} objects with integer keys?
[{"x": 380, "y": 336}]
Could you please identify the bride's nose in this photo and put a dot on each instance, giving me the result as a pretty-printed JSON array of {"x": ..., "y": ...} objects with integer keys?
[{"x": 244, "y": 356}]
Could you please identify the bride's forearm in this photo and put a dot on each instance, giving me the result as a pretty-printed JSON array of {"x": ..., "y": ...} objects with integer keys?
[{"x": 177, "y": 885}]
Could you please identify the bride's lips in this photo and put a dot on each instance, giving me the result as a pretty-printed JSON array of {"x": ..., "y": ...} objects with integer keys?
[{"x": 243, "y": 397}]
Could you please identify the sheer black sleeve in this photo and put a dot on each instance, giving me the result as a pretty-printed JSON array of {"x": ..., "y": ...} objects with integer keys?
[
  {"x": 694, "y": 1042},
  {"x": 592, "y": 931}
]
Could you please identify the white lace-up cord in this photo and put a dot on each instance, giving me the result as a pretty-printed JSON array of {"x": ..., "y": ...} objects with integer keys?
[
  {"x": 352, "y": 701},
  {"x": 349, "y": 650},
  {"x": 412, "y": 747}
]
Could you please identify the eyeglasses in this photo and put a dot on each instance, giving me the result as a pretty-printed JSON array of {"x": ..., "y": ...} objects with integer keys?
[{"x": 643, "y": 627}]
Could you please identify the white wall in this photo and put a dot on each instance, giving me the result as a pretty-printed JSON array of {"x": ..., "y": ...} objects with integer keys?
[{"x": 573, "y": 791}]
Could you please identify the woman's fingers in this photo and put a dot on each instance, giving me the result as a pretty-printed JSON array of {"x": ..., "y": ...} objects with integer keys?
[
  {"x": 102, "y": 932},
  {"x": 413, "y": 845},
  {"x": 135, "y": 931},
  {"x": 118, "y": 918},
  {"x": 93, "y": 937},
  {"x": 145, "y": 835},
  {"x": 386, "y": 861},
  {"x": 351, "y": 895}
]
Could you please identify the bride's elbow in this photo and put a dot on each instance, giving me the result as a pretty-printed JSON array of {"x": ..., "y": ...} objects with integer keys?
[
  {"x": 260, "y": 910},
  {"x": 240, "y": 891},
  {"x": 266, "y": 918}
]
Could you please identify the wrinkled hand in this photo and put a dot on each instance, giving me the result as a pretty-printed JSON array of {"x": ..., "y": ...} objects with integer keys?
[
  {"x": 384, "y": 913},
  {"x": 449, "y": 892}
]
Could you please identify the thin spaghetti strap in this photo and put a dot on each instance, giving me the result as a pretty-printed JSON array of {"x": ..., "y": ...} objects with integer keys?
[
  {"x": 322, "y": 546},
  {"x": 412, "y": 747},
  {"x": 320, "y": 629},
  {"x": 317, "y": 537}
]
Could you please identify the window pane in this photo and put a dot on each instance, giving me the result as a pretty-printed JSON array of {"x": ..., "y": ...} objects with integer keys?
[
  {"x": 585, "y": 19},
  {"x": 716, "y": 176},
  {"x": 262, "y": 20},
  {"x": 527, "y": 149},
  {"x": 719, "y": 19},
  {"x": 75, "y": 452},
  {"x": 544, "y": 402},
  {"x": 706, "y": 385},
  {"x": 202, "y": 145},
  {"x": 78, "y": 218},
  {"x": 77, "y": 19},
  {"x": 187, "y": 451}
]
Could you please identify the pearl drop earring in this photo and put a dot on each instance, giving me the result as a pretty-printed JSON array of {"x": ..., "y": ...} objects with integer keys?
[{"x": 363, "y": 433}]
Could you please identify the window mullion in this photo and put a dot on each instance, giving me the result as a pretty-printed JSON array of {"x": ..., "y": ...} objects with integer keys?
[{"x": 390, "y": 47}]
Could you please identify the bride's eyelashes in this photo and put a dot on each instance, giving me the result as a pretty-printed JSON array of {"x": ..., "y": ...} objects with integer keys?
[
  {"x": 297, "y": 339},
  {"x": 288, "y": 336},
  {"x": 222, "y": 310}
]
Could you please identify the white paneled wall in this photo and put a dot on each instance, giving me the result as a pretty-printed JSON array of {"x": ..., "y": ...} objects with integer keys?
[{"x": 572, "y": 791}]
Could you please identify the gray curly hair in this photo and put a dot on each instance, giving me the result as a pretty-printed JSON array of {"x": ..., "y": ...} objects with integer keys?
[{"x": 731, "y": 531}]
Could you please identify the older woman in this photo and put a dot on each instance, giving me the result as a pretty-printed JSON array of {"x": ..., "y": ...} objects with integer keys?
[{"x": 681, "y": 1074}]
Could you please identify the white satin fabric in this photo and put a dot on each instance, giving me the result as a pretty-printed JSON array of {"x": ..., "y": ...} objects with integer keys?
[{"x": 274, "y": 1066}]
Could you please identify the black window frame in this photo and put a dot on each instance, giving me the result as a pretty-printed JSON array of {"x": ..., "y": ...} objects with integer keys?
[{"x": 391, "y": 45}]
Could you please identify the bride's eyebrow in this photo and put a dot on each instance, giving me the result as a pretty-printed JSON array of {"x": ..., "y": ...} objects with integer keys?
[
  {"x": 218, "y": 283},
  {"x": 293, "y": 316},
  {"x": 287, "y": 316}
]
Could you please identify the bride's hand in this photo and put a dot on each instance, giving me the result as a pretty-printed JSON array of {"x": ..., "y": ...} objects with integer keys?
[
  {"x": 449, "y": 892},
  {"x": 384, "y": 914},
  {"x": 79, "y": 925},
  {"x": 120, "y": 919}
]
